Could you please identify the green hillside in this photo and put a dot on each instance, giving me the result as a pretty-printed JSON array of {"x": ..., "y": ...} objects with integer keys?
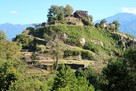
[
  {"x": 68, "y": 53},
  {"x": 100, "y": 45}
]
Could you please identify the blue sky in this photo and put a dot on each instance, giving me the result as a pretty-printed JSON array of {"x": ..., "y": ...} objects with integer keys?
[{"x": 35, "y": 11}]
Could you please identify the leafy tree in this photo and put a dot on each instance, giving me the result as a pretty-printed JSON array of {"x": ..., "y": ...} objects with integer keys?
[
  {"x": 117, "y": 76},
  {"x": 30, "y": 30},
  {"x": 66, "y": 80},
  {"x": 97, "y": 25},
  {"x": 2, "y": 35},
  {"x": 102, "y": 23},
  {"x": 121, "y": 73},
  {"x": 117, "y": 24},
  {"x": 56, "y": 51},
  {"x": 24, "y": 40},
  {"x": 111, "y": 26},
  {"x": 28, "y": 84},
  {"x": 68, "y": 10},
  {"x": 130, "y": 63},
  {"x": 61, "y": 17},
  {"x": 90, "y": 20},
  {"x": 10, "y": 72},
  {"x": 56, "y": 13},
  {"x": 9, "y": 50},
  {"x": 130, "y": 55},
  {"x": 90, "y": 74},
  {"x": 53, "y": 13}
]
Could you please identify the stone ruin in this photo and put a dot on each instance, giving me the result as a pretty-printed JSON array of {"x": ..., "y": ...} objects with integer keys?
[{"x": 81, "y": 14}]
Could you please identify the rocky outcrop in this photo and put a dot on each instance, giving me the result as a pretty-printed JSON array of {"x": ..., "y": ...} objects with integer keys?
[
  {"x": 82, "y": 41},
  {"x": 73, "y": 21},
  {"x": 125, "y": 40}
]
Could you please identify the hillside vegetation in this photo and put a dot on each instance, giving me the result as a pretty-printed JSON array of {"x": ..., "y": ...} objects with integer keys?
[{"x": 65, "y": 55}]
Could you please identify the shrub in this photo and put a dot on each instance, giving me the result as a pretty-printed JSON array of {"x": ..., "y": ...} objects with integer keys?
[
  {"x": 116, "y": 37},
  {"x": 73, "y": 42},
  {"x": 91, "y": 47},
  {"x": 71, "y": 53},
  {"x": 86, "y": 55}
]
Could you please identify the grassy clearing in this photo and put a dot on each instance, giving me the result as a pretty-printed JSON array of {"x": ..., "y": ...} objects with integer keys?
[{"x": 37, "y": 72}]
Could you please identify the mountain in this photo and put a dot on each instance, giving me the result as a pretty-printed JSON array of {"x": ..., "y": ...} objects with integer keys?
[
  {"x": 12, "y": 30},
  {"x": 127, "y": 21}
]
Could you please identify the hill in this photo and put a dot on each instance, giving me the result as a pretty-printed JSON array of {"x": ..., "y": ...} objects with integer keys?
[
  {"x": 73, "y": 44},
  {"x": 12, "y": 30},
  {"x": 127, "y": 21},
  {"x": 66, "y": 52}
]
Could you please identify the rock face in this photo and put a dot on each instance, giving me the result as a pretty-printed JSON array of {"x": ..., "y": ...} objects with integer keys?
[
  {"x": 125, "y": 40},
  {"x": 82, "y": 41},
  {"x": 81, "y": 14},
  {"x": 73, "y": 21}
]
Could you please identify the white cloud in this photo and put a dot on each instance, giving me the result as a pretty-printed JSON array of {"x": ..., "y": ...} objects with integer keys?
[
  {"x": 129, "y": 10},
  {"x": 13, "y": 12}
]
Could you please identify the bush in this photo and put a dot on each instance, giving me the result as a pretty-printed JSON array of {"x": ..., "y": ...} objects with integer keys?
[
  {"x": 90, "y": 47},
  {"x": 24, "y": 40},
  {"x": 71, "y": 53},
  {"x": 86, "y": 55},
  {"x": 73, "y": 42},
  {"x": 116, "y": 37}
]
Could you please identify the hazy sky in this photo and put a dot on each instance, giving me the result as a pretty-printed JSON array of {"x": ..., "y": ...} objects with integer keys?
[{"x": 35, "y": 11}]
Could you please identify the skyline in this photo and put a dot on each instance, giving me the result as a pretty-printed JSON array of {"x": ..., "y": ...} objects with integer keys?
[{"x": 35, "y": 11}]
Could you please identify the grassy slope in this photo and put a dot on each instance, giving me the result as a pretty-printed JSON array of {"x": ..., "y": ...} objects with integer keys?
[
  {"x": 89, "y": 33},
  {"x": 102, "y": 54}
]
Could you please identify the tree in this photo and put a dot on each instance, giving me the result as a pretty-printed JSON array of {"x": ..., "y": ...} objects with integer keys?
[
  {"x": 130, "y": 63},
  {"x": 24, "y": 40},
  {"x": 9, "y": 50},
  {"x": 97, "y": 25},
  {"x": 61, "y": 17},
  {"x": 10, "y": 72},
  {"x": 56, "y": 51},
  {"x": 90, "y": 20},
  {"x": 2, "y": 35},
  {"x": 102, "y": 23},
  {"x": 121, "y": 73},
  {"x": 130, "y": 55},
  {"x": 53, "y": 13},
  {"x": 117, "y": 76},
  {"x": 91, "y": 76},
  {"x": 65, "y": 80},
  {"x": 117, "y": 24},
  {"x": 111, "y": 26},
  {"x": 68, "y": 10}
]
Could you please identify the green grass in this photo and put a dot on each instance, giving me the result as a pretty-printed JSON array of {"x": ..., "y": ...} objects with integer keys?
[
  {"x": 75, "y": 33},
  {"x": 37, "y": 72}
]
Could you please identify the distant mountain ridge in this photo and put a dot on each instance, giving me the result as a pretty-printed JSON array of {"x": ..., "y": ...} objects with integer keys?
[
  {"x": 12, "y": 30},
  {"x": 127, "y": 21}
]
